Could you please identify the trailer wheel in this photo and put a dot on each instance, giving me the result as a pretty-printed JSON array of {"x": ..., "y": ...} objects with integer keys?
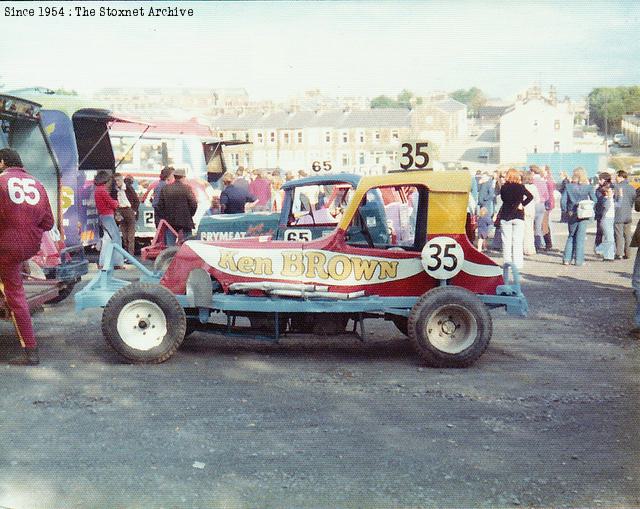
[
  {"x": 450, "y": 327},
  {"x": 64, "y": 292},
  {"x": 164, "y": 259},
  {"x": 144, "y": 323}
]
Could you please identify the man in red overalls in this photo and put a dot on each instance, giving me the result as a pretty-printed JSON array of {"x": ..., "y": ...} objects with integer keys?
[{"x": 25, "y": 214}]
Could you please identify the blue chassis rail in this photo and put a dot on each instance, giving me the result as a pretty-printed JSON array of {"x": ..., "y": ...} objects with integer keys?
[{"x": 98, "y": 292}]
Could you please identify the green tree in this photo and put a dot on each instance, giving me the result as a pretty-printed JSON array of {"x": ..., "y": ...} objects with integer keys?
[
  {"x": 608, "y": 105},
  {"x": 474, "y": 98},
  {"x": 383, "y": 101},
  {"x": 404, "y": 99}
]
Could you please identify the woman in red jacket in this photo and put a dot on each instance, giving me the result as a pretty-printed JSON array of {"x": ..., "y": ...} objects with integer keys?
[{"x": 107, "y": 206}]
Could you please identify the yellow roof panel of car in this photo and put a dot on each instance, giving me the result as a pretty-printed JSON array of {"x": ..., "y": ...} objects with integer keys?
[{"x": 435, "y": 181}]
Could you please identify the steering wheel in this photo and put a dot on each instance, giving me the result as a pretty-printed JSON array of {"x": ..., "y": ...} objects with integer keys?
[{"x": 365, "y": 230}]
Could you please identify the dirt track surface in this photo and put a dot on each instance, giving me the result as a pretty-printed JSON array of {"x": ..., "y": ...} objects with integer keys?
[{"x": 547, "y": 417}]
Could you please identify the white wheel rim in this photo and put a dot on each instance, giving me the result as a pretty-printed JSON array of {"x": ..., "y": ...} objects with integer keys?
[
  {"x": 451, "y": 328},
  {"x": 142, "y": 325}
]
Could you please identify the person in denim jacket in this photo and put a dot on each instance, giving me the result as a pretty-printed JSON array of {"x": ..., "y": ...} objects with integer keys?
[
  {"x": 574, "y": 192},
  {"x": 604, "y": 181},
  {"x": 606, "y": 247},
  {"x": 624, "y": 196},
  {"x": 486, "y": 193}
]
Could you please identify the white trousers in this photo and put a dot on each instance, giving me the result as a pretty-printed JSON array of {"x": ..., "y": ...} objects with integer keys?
[
  {"x": 513, "y": 241},
  {"x": 529, "y": 240}
]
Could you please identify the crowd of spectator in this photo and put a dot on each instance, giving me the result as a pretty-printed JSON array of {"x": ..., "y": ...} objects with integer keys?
[
  {"x": 515, "y": 205},
  {"x": 257, "y": 191}
]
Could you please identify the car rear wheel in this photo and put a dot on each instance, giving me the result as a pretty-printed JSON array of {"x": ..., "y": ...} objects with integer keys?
[
  {"x": 144, "y": 323},
  {"x": 450, "y": 327}
]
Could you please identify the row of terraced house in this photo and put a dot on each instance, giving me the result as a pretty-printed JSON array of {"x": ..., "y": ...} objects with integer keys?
[{"x": 361, "y": 141}]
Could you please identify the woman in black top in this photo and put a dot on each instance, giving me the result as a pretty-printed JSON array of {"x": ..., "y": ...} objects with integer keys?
[{"x": 514, "y": 198}]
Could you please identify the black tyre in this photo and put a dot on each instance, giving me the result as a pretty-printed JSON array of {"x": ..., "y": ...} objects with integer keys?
[
  {"x": 450, "y": 327},
  {"x": 164, "y": 259},
  {"x": 64, "y": 292},
  {"x": 144, "y": 323}
]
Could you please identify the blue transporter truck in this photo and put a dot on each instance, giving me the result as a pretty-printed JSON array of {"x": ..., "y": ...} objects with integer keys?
[
  {"x": 53, "y": 273},
  {"x": 80, "y": 139}
]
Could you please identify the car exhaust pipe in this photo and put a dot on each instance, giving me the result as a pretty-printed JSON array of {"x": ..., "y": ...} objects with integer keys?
[
  {"x": 266, "y": 286},
  {"x": 318, "y": 295},
  {"x": 294, "y": 290}
]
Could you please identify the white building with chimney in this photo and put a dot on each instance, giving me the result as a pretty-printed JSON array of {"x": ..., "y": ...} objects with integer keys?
[{"x": 536, "y": 124}]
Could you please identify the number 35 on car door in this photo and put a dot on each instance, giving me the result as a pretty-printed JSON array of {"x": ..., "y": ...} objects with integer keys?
[{"x": 442, "y": 257}]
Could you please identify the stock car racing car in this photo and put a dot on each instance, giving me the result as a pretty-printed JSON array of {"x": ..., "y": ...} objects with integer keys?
[{"x": 429, "y": 281}]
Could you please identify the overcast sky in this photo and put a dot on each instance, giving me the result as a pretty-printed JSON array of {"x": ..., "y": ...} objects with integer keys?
[{"x": 279, "y": 49}]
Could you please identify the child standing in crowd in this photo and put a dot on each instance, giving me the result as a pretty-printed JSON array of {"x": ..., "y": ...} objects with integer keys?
[{"x": 484, "y": 227}]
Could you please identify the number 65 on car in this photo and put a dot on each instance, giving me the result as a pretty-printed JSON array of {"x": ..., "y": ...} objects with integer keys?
[{"x": 427, "y": 278}]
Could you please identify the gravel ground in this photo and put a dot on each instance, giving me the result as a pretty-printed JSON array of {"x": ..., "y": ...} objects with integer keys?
[{"x": 548, "y": 417}]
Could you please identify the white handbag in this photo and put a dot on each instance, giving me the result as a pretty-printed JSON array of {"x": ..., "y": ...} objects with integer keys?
[{"x": 585, "y": 209}]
